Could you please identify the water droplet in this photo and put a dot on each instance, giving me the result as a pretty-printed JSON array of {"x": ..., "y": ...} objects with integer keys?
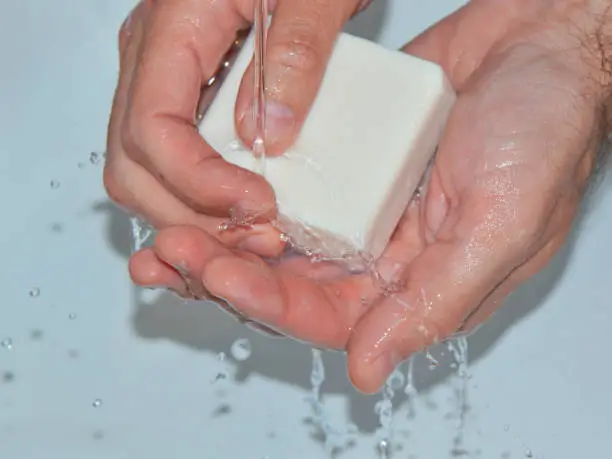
[
  {"x": 74, "y": 354},
  {"x": 8, "y": 377},
  {"x": 35, "y": 292},
  {"x": 397, "y": 380},
  {"x": 97, "y": 403},
  {"x": 36, "y": 335},
  {"x": 317, "y": 375},
  {"x": 316, "y": 258},
  {"x": 222, "y": 373},
  {"x": 284, "y": 237},
  {"x": 433, "y": 363},
  {"x": 506, "y": 427},
  {"x": 383, "y": 448},
  {"x": 384, "y": 410},
  {"x": 241, "y": 349},
  {"x": 528, "y": 453},
  {"x": 54, "y": 184},
  {"x": 94, "y": 158},
  {"x": 7, "y": 343},
  {"x": 72, "y": 316}
]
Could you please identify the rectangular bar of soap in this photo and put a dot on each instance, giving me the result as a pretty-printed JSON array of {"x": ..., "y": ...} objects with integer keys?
[{"x": 374, "y": 126}]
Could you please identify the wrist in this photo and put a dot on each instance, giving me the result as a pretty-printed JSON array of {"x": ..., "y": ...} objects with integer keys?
[{"x": 580, "y": 31}]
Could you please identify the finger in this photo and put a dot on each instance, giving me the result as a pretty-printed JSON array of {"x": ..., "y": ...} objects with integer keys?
[
  {"x": 458, "y": 43},
  {"x": 132, "y": 187},
  {"x": 130, "y": 36},
  {"x": 277, "y": 298},
  {"x": 299, "y": 44},
  {"x": 136, "y": 190},
  {"x": 147, "y": 270},
  {"x": 185, "y": 42}
]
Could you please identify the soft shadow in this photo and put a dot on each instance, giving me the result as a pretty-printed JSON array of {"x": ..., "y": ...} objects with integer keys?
[
  {"x": 370, "y": 23},
  {"x": 118, "y": 231}
]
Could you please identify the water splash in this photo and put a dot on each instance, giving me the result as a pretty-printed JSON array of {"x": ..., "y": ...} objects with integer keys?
[{"x": 141, "y": 232}]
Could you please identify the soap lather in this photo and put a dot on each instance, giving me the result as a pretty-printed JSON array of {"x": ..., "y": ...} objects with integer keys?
[{"x": 343, "y": 186}]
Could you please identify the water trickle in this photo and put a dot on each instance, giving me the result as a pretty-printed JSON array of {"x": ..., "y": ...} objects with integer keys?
[
  {"x": 317, "y": 375},
  {"x": 384, "y": 410},
  {"x": 241, "y": 349},
  {"x": 396, "y": 380},
  {"x": 260, "y": 25},
  {"x": 410, "y": 388},
  {"x": 459, "y": 350},
  {"x": 333, "y": 439}
]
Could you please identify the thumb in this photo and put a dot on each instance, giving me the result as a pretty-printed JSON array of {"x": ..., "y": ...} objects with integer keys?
[{"x": 299, "y": 44}]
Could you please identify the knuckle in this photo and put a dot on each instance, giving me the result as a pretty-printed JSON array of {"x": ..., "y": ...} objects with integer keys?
[
  {"x": 436, "y": 329},
  {"x": 113, "y": 186},
  {"x": 528, "y": 228},
  {"x": 133, "y": 136},
  {"x": 301, "y": 53},
  {"x": 127, "y": 27}
]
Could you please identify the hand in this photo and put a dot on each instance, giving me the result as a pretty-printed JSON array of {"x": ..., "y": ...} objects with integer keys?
[
  {"x": 158, "y": 166},
  {"x": 509, "y": 174}
]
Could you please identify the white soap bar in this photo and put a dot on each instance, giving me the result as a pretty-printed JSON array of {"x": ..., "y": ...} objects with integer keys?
[{"x": 344, "y": 185}]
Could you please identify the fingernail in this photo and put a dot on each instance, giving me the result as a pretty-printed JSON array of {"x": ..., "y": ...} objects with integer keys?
[
  {"x": 267, "y": 244},
  {"x": 280, "y": 123}
]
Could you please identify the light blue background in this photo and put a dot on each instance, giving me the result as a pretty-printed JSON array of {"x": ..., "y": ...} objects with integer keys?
[{"x": 541, "y": 372}]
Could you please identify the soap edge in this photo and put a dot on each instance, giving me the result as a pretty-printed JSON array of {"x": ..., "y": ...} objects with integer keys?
[{"x": 374, "y": 243}]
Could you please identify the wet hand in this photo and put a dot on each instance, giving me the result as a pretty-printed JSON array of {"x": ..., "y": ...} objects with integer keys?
[
  {"x": 508, "y": 177},
  {"x": 158, "y": 166}
]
